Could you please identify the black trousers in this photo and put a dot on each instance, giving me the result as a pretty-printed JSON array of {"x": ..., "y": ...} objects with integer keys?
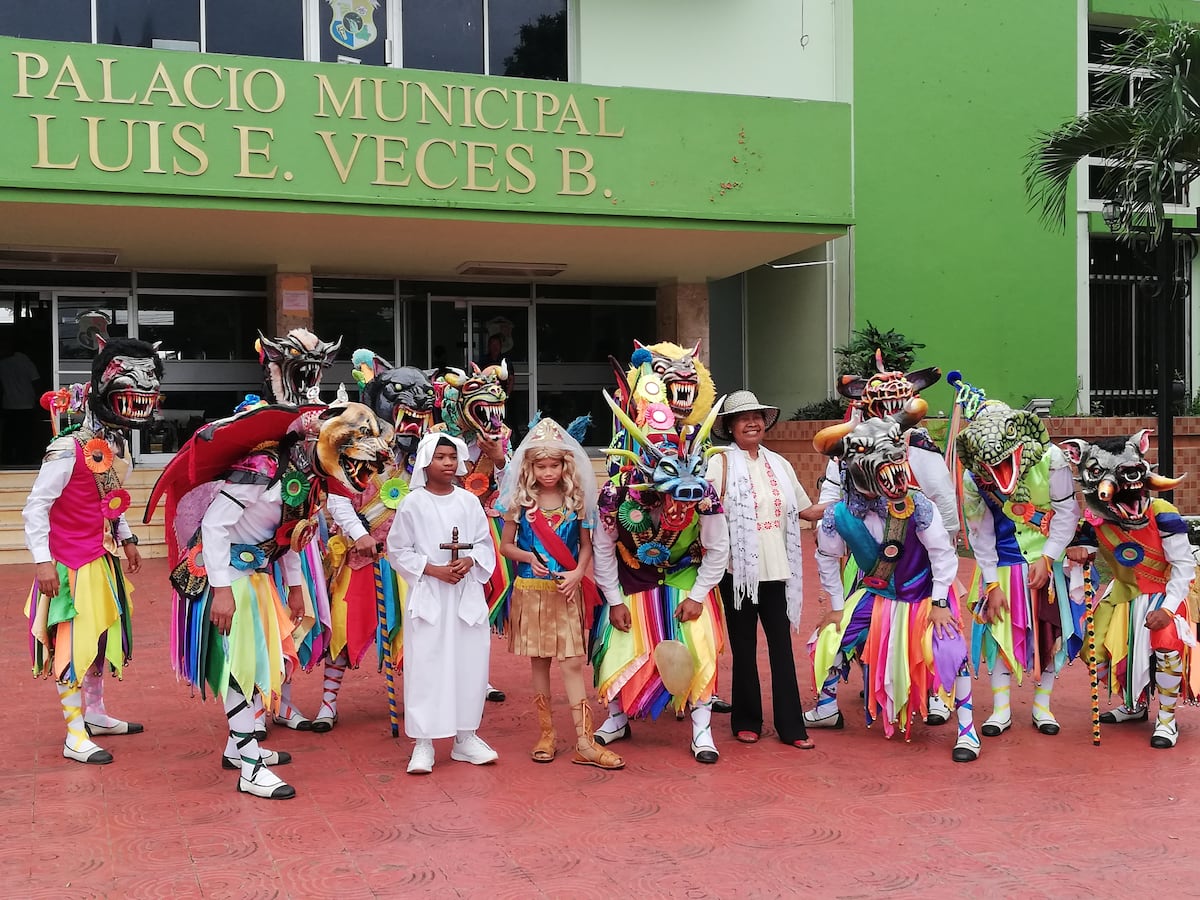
[{"x": 742, "y": 626}]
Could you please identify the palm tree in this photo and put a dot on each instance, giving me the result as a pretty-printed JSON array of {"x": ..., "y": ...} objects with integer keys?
[{"x": 1152, "y": 144}]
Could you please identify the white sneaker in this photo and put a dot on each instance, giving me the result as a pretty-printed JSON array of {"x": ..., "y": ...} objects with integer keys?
[
  {"x": 421, "y": 762},
  {"x": 474, "y": 750}
]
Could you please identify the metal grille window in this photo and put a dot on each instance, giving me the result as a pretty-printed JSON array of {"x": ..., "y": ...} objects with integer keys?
[{"x": 1122, "y": 293}]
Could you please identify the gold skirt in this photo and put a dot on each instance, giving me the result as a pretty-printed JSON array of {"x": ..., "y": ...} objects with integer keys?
[{"x": 544, "y": 623}]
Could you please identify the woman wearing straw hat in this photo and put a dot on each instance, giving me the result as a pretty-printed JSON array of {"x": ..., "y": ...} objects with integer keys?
[{"x": 764, "y": 505}]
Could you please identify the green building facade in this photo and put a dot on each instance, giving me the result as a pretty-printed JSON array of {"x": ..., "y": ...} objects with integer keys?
[{"x": 560, "y": 175}]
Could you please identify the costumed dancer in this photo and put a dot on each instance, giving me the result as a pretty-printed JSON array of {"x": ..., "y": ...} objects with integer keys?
[
  {"x": 659, "y": 555},
  {"x": 901, "y": 618},
  {"x": 884, "y": 394},
  {"x": 79, "y": 609},
  {"x": 292, "y": 369},
  {"x": 549, "y": 503},
  {"x": 364, "y": 592},
  {"x": 471, "y": 407},
  {"x": 243, "y": 494},
  {"x": 1145, "y": 634},
  {"x": 1019, "y": 503},
  {"x": 440, "y": 544}
]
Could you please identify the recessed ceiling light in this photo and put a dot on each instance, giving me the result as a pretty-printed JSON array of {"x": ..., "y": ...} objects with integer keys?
[
  {"x": 510, "y": 269},
  {"x": 64, "y": 256}
]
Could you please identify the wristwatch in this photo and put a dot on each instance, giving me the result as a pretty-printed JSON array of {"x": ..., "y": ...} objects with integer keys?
[
  {"x": 941, "y": 604},
  {"x": 132, "y": 539}
]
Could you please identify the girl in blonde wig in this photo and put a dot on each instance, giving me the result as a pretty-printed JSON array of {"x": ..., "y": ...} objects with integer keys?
[{"x": 549, "y": 503}]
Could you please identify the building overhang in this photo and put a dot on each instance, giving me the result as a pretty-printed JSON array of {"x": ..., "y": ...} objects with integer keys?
[{"x": 180, "y": 160}]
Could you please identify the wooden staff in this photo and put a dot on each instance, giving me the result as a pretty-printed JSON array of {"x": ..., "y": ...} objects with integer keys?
[{"x": 1089, "y": 593}]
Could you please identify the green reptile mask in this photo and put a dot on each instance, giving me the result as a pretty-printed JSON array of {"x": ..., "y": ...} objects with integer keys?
[{"x": 1001, "y": 445}]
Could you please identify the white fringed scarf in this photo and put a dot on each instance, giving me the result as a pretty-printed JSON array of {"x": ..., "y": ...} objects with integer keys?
[{"x": 743, "y": 530}]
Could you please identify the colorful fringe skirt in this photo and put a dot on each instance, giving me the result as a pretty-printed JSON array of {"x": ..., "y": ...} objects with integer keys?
[
  {"x": 254, "y": 655},
  {"x": 89, "y": 621},
  {"x": 1039, "y": 626},
  {"x": 311, "y": 637},
  {"x": 498, "y": 590},
  {"x": 624, "y": 661},
  {"x": 543, "y": 623},
  {"x": 365, "y": 610},
  {"x": 1125, "y": 643},
  {"x": 903, "y": 660}
]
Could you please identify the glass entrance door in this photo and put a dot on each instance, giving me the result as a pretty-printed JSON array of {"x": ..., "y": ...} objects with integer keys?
[
  {"x": 26, "y": 372},
  {"x": 501, "y": 332},
  {"x": 78, "y": 319}
]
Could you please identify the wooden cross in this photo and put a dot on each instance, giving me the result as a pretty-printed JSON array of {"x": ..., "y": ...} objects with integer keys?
[{"x": 454, "y": 546}]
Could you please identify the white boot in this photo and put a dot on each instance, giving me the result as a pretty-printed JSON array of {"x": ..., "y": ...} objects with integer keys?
[
  {"x": 939, "y": 712},
  {"x": 1120, "y": 714}
]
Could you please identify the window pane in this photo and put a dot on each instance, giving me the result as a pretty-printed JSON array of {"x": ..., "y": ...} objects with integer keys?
[
  {"x": 256, "y": 28},
  {"x": 359, "y": 323},
  {"x": 49, "y": 20},
  {"x": 528, "y": 38},
  {"x": 1101, "y": 41},
  {"x": 202, "y": 328},
  {"x": 353, "y": 31},
  {"x": 444, "y": 35},
  {"x": 138, "y": 23}
]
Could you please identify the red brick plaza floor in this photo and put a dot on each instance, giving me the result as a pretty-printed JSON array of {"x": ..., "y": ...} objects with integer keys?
[{"x": 860, "y": 816}]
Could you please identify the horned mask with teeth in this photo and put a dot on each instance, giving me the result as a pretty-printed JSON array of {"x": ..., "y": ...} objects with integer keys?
[
  {"x": 125, "y": 379},
  {"x": 1115, "y": 477},
  {"x": 874, "y": 451},
  {"x": 293, "y": 365}
]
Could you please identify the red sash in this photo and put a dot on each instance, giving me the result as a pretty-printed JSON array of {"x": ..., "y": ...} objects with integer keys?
[{"x": 562, "y": 555}]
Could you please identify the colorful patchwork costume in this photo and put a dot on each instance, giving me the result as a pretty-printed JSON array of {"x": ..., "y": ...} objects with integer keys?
[
  {"x": 74, "y": 520},
  {"x": 1019, "y": 503},
  {"x": 1146, "y": 636},
  {"x": 365, "y": 594},
  {"x": 900, "y": 620},
  {"x": 243, "y": 494},
  {"x": 661, "y": 549},
  {"x": 886, "y": 393}
]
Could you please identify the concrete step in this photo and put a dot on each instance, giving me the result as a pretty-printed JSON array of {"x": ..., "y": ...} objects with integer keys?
[
  {"x": 20, "y": 557},
  {"x": 14, "y": 538}
]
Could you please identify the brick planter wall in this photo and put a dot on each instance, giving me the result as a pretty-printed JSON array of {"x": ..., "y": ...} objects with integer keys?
[{"x": 794, "y": 441}]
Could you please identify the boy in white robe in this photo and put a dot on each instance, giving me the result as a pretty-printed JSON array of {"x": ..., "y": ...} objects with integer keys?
[{"x": 446, "y": 631}]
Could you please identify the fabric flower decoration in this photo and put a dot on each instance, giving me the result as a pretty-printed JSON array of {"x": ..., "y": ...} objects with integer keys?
[
  {"x": 658, "y": 416},
  {"x": 115, "y": 503},
  {"x": 195, "y": 561},
  {"x": 283, "y": 535},
  {"x": 633, "y": 516},
  {"x": 295, "y": 489},
  {"x": 653, "y": 553},
  {"x": 335, "y": 552},
  {"x": 98, "y": 456},
  {"x": 650, "y": 389},
  {"x": 247, "y": 557},
  {"x": 303, "y": 533},
  {"x": 392, "y": 491},
  {"x": 477, "y": 483}
]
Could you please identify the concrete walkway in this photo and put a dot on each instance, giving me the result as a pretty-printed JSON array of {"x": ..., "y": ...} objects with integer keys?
[{"x": 860, "y": 816}]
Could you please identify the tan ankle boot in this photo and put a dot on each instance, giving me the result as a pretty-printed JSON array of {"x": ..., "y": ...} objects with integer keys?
[
  {"x": 544, "y": 749},
  {"x": 587, "y": 751}
]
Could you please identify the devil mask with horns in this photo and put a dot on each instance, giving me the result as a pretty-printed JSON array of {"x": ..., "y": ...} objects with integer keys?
[
  {"x": 886, "y": 393},
  {"x": 874, "y": 451},
  {"x": 125, "y": 378},
  {"x": 293, "y": 365},
  {"x": 1116, "y": 479}
]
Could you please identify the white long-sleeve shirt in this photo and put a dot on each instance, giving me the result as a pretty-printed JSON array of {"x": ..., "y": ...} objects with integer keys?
[
  {"x": 982, "y": 528},
  {"x": 714, "y": 537},
  {"x": 341, "y": 510},
  {"x": 928, "y": 470},
  {"x": 242, "y": 514},
  {"x": 943, "y": 561},
  {"x": 51, "y": 481}
]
